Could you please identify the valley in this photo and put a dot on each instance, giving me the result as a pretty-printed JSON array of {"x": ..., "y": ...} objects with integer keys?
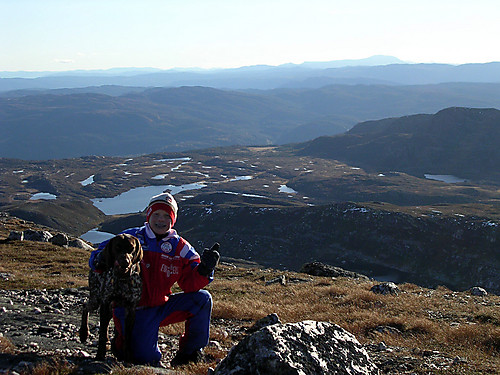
[{"x": 276, "y": 208}]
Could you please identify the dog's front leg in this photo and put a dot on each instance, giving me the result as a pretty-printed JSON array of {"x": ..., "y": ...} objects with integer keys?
[
  {"x": 105, "y": 317},
  {"x": 84, "y": 326},
  {"x": 129, "y": 326}
]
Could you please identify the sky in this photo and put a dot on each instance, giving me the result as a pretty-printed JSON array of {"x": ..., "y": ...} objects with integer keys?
[{"x": 61, "y": 35}]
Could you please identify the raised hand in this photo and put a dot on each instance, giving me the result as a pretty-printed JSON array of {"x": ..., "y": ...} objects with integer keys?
[{"x": 209, "y": 260}]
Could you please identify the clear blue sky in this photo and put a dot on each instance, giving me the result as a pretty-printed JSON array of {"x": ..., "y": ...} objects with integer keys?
[{"x": 56, "y": 35}]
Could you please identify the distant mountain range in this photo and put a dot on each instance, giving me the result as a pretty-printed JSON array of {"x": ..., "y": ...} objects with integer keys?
[
  {"x": 375, "y": 70},
  {"x": 456, "y": 141},
  {"x": 61, "y": 124},
  {"x": 369, "y": 61}
]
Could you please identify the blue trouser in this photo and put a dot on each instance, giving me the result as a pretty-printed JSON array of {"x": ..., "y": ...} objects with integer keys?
[{"x": 194, "y": 308}]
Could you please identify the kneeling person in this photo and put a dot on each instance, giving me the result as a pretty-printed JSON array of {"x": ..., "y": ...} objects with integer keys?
[{"x": 168, "y": 259}]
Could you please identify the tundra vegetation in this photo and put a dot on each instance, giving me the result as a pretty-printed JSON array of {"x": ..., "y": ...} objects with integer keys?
[{"x": 414, "y": 324}]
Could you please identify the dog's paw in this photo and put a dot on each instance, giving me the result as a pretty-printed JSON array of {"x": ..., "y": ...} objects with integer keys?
[{"x": 84, "y": 334}]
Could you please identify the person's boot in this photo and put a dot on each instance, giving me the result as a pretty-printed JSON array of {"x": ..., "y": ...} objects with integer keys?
[{"x": 181, "y": 359}]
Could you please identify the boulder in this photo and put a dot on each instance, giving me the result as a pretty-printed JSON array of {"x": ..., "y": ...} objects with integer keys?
[
  {"x": 80, "y": 244},
  {"x": 37, "y": 235},
  {"x": 321, "y": 269},
  {"x": 386, "y": 288},
  {"x": 16, "y": 235},
  {"x": 60, "y": 239},
  {"x": 307, "y": 347}
]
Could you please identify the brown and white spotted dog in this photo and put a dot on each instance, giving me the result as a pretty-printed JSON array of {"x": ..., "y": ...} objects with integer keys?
[{"x": 116, "y": 283}]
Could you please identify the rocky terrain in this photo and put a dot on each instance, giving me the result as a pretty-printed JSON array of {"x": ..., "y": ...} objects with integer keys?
[
  {"x": 370, "y": 240},
  {"x": 367, "y": 239},
  {"x": 42, "y": 327},
  {"x": 272, "y": 209}
]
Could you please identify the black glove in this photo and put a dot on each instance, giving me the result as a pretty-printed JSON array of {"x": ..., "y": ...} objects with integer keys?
[{"x": 209, "y": 260}]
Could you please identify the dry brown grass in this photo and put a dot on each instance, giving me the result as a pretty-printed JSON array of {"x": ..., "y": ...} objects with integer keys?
[
  {"x": 42, "y": 265},
  {"x": 454, "y": 323},
  {"x": 6, "y": 346},
  {"x": 52, "y": 368}
]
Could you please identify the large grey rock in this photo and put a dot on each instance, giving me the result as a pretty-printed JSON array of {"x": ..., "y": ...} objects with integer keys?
[
  {"x": 16, "y": 235},
  {"x": 304, "y": 348},
  {"x": 321, "y": 269},
  {"x": 37, "y": 235},
  {"x": 80, "y": 244}
]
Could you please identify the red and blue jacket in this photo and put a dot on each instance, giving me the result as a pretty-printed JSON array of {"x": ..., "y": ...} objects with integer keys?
[{"x": 166, "y": 261}]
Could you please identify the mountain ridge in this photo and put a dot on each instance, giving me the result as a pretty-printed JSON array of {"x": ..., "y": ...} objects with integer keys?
[
  {"x": 128, "y": 71},
  {"x": 368, "y": 240},
  {"x": 454, "y": 141},
  {"x": 186, "y": 118},
  {"x": 270, "y": 77}
]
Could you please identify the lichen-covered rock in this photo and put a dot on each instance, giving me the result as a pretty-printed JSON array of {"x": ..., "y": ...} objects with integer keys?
[{"x": 304, "y": 348}]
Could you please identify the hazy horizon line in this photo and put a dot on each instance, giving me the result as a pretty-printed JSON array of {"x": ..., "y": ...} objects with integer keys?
[{"x": 194, "y": 68}]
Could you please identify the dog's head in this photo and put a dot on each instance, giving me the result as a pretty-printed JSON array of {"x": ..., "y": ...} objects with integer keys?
[{"x": 121, "y": 253}]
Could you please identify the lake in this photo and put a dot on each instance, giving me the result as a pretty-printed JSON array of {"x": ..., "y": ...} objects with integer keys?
[
  {"x": 96, "y": 237},
  {"x": 444, "y": 178},
  {"x": 136, "y": 200}
]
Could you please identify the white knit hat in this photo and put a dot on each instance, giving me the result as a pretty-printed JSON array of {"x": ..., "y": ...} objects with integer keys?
[{"x": 163, "y": 201}]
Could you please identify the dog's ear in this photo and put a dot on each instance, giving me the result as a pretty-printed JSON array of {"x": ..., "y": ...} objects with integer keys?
[
  {"x": 107, "y": 255},
  {"x": 137, "y": 250}
]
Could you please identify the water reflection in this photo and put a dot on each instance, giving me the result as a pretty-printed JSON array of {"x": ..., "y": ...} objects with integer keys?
[
  {"x": 444, "y": 178},
  {"x": 95, "y": 237},
  {"x": 286, "y": 189},
  {"x": 136, "y": 200},
  {"x": 45, "y": 196}
]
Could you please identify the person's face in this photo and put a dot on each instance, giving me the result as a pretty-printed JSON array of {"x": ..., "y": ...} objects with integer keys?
[{"x": 160, "y": 222}]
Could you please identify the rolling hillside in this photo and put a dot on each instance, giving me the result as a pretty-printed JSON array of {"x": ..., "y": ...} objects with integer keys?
[
  {"x": 48, "y": 126},
  {"x": 455, "y": 141}
]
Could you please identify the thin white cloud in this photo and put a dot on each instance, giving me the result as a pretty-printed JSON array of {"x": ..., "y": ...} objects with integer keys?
[{"x": 64, "y": 61}]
